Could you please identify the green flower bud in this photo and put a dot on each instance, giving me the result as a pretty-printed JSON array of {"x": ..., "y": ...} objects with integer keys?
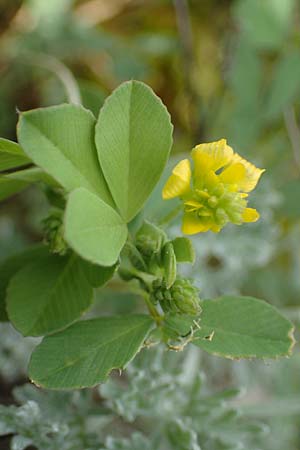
[
  {"x": 181, "y": 298},
  {"x": 53, "y": 233},
  {"x": 149, "y": 239},
  {"x": 186, "y": 297}
]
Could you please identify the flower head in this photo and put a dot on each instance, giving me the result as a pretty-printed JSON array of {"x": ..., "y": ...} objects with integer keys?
[
  {"x": 181, "y": 298},
  {"x": 215, "y": 191}
]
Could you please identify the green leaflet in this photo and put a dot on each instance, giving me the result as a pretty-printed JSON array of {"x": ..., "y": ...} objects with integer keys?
[
  {"x": 11, "y": 266},
  {"x": 184, "y": 250},
  {"x": 9, "y": 187},
  {"x": 94, "y": 229},
  {"x": 96, "y": 275},
  {"x": 84, "y": 354},
  {"x": 169, "y": 264},
  {"x": 60, "y": 139},
  {"x": 15, "y": 182},
  {"x": 133, "y": 139},
  {"x": 11, "y": 155},
  {"x": 48, "y": 294},
  {"x": 243, "y": 327}
]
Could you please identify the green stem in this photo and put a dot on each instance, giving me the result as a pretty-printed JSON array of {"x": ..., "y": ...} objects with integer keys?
[{"x": 151, "y": 308}]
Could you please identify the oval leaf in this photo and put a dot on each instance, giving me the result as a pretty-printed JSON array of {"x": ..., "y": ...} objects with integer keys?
[
  {"x": 133, "y": 138},
  {"x": 94, "y": 229},
  {"x": 11, "y": 155},
  {"x": 243, "y": 327},
  {"x": 9, "y": 186},
  {"x": 11, "y": 266},
  {"x": 60, "y": 139},
  {"x": 85, "y": 353},
  {"x": 184, "y": 250},
  {"x": 97, "y": 275},
  {"x": 48, "y": 295},
  {"x": 15, "y": 182}
]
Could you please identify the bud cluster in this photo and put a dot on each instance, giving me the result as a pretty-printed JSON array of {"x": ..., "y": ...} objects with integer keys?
[{"x": 181, "y": 298}]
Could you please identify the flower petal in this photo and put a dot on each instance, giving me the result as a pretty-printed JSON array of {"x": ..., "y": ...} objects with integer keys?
[
  {"x": 192, "y": 224},
  {"x": 203, "y": 163},
  {"x": 219, "y": 152},
  {"x": 250, "y": 215},
  {"x": 216, "y": 228},
  {"x": 211, "y": 180},
  {"x": 233, "y": 174},
  {"x": 179, "y": 182},
  {"x": 252, "y": 176}
]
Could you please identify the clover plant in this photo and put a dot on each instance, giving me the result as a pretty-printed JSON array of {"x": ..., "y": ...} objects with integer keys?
[{"x": 97, "y": 175}]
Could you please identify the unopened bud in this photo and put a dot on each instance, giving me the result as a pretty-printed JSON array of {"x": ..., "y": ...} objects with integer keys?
[
  {"x": 53, "y": 233},
  {"x": 181, "y": 298}
]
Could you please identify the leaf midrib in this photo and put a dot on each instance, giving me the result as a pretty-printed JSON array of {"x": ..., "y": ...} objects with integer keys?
[{"x": 93, "y": 188}]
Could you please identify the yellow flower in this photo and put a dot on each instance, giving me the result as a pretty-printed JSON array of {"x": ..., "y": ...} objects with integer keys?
[{"x": 215, "y": 191}]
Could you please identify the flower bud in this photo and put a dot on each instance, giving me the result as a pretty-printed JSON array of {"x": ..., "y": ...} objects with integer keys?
[
  {"x": 53, "y": 233},
  {"x": 149, "y": 239},
  {"x": 181, "y": 298}
]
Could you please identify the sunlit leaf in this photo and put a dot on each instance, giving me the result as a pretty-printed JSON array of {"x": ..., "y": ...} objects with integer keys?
[
  {"x": 133, "y": 138},
  {"x": 93, "y": 228},
  {"x": 60, "y": 139},
  {"x": 11, "y": 155}
]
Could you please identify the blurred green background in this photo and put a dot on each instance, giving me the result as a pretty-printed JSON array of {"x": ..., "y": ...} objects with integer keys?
[{"x": 224, "y": 68}]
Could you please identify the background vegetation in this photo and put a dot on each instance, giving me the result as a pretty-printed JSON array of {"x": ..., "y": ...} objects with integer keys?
[{"x": 224, "y": 68}]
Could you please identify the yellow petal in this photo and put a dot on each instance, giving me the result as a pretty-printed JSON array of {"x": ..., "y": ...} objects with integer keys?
[
  {"x": 192, "y": 224},
  {"x": 220, "y": 154},
  {"x": 215, "y": 228},
  {"x": 250, "y": 215},
  {"x": 211, "y": 180},
  {"x": 252, "y": 176},
  {"x": 233, "y": 174},
  {"x": 179, "y": 182},
  {"x": 203, "y": 163}
]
